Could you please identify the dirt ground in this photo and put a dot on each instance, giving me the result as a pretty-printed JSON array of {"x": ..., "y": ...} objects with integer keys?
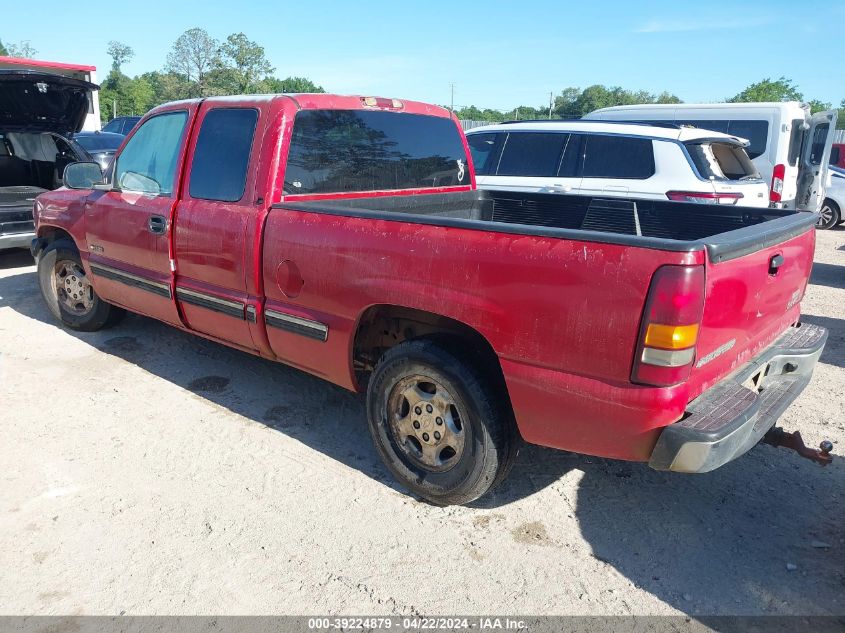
[{"x": 146, "y": 471}]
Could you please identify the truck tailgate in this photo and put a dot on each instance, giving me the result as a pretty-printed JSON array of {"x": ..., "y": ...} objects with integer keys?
[{"x": 752, "y": 295}]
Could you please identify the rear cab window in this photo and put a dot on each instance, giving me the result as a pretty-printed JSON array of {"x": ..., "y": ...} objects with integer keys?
[{"x": 336, "y": 151}]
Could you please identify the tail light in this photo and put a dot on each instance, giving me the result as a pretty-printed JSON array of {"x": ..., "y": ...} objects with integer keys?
[
  {"x": 776, "y": 190},
  {"x": 669, "y": 330},
  {"x": 704, "y": 197}
]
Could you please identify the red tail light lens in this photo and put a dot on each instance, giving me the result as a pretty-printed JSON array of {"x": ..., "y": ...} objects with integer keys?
[
  {"x": 776, "y": 190},
  {"x": 704, "y": 197},
  {"x": 669, "y": 330}
]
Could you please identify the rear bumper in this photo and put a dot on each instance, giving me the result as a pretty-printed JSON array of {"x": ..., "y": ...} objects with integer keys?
[{"x": 730, "y": 418}]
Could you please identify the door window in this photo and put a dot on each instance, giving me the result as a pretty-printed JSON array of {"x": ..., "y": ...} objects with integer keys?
[
  {"x": 485, "y": 152},
  {"x": 819, "y": 141},
  {"x": 147, "y": 163},
  {"x": 532, "y": 154},
  {"x": 621, "y": 157},
  {"x": 221, "y": 156}
]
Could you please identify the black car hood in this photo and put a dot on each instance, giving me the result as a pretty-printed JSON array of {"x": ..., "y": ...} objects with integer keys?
[{"x": 40, "y": 102}]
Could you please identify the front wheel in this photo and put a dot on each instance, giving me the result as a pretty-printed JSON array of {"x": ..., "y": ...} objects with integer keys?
[
  {"x": 443, "y": 428},
  {"x": 68, "y": 291},
  {"x": 829, "y": 216}
]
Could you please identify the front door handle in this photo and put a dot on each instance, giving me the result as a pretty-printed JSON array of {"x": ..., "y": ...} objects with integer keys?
[{"x": 157, "y": 224}]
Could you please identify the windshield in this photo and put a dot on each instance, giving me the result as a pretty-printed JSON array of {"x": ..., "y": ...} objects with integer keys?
[{"x": 99, "y": 142}]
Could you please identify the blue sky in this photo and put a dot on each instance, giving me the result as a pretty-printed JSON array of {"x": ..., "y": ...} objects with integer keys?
[{"x": 497, "y": 54}]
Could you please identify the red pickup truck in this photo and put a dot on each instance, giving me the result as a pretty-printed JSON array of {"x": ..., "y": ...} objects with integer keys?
[{"x": 344, "y": 236}]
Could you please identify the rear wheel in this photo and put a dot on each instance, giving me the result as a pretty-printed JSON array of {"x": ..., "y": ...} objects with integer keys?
[
  {"x": 442, "y": 427},
  {"x": 68, "y": 291},
  {"x": 829, "y": 216}
]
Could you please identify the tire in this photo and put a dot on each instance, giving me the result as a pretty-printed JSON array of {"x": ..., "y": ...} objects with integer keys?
[
  {"x": 68, "y": 293},
  {"x": 829, "y": 216},
  {"x": 460, "y": 442}
]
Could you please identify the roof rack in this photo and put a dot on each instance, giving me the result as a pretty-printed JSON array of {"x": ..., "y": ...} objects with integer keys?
[{"x": 666, "y": 124}]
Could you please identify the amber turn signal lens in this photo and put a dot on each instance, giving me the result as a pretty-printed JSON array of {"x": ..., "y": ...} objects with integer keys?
[{"x": 671, "y": 336}]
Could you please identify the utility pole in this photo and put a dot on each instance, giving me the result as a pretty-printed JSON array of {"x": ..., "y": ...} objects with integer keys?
[
  {"x": 550, "y": 105},
  {"x": 452, "y": 86}
]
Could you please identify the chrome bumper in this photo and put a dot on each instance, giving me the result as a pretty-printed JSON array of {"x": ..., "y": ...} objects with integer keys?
[{"x": 731, "y": 417}]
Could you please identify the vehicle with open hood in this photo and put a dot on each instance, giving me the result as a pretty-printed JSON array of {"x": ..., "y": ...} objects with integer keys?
[{"x": 38, "y": 113}]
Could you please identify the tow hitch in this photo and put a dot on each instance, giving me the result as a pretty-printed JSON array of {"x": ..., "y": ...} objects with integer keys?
[{"x": 778, "y": 437}]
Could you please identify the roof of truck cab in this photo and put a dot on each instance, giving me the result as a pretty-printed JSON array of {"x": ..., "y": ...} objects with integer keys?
[
  {"x": 324, "y": 101},
  {"x": 610, "y": 127}
]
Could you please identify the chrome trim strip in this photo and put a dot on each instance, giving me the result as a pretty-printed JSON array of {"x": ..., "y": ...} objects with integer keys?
[
  {"x": 129, "y": 279},
  {"x": 250, "y": 314},
  {"x": 210, "y": 302},
  {"x": 297, "y": 325}
]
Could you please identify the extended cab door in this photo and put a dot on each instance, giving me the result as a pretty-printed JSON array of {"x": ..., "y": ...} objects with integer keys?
[
  {"x": 813, "y": 168},
  {"x": 128, "y": 226},
  {"x": 215, "y": 227}
]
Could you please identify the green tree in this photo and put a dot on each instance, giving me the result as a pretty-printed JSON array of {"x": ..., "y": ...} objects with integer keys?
[
  {"x": 573, "y": 103},
  {"x": 194, "y": 56},
  {"x": 782, "y": 89},
  {"x": 22, "y": 49},
  {"x": 243, "y": 64},
  {"x": 273, "y": 85},
  {"x": 818, "y": 106},
  {"x": 3, "y": 50},
  {"x": 120, "y": 53}
]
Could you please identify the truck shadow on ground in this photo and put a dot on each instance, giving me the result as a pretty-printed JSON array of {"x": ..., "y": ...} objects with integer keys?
[
  {"x": 832, "y": 275},
  {"x": 717, "y": 543}
]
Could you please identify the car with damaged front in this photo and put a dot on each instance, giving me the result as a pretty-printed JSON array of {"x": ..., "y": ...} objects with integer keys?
[
  {"x": 38, "y": 113},
  {"x": 345, "y": 236}
]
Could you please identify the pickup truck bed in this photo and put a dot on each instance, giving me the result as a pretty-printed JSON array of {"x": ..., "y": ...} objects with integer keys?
[{"x": 344, "y": 236}]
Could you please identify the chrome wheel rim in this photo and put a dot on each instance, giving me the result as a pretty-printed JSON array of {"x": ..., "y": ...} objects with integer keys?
[
  {"x": 426, "y": 423},
  {"x": 825, "y": 216},
  {"x": 72, "y": 288}
]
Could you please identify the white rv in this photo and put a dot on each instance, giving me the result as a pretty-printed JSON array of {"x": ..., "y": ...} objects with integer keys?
[{"x": 789, "y": 146}]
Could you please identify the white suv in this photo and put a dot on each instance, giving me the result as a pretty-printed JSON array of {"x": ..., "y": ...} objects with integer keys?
[{"x": 598, "y": 158}]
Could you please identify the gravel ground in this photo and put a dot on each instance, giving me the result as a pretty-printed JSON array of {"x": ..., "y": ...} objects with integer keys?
[{"x": 147, "y": 471}]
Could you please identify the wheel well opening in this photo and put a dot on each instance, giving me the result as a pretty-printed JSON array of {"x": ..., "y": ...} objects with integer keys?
[
  {"x": 382, "y": 327},
  {"x": 53, "y": 234}
]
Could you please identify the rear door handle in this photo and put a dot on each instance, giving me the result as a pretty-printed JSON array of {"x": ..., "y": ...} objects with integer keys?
[{"x": 157, "y": 224}]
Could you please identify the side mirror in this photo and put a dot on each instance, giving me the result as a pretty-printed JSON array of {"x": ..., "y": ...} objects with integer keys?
[{"x": 82, "y": 175}]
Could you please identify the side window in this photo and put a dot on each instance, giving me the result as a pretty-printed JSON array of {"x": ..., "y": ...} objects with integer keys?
[
  {"x": 112, "y": 126},
  {"x": 715, "y": 126},
  {"x": 796, "y": 141},
  {"x": 570, "y": 162},
  {"x": 531, "y": 154},
  {"x": 485, "y": 150},
  {"x": 757, "y": 132},
  {"x": 148, "y": 162},
  {"x": 820, "y": 133},
  {"x": 618, "y": 157},
  {"x": 834, "y": 155},
  {"x": 221, "y": 156}
]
